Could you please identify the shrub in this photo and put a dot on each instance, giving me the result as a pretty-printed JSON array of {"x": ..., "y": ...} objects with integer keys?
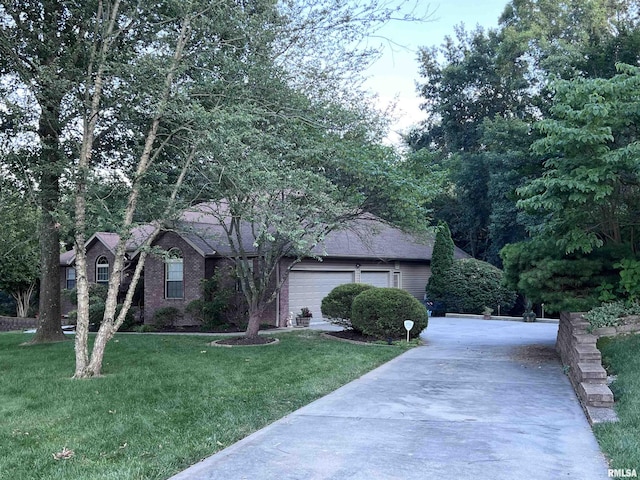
[
  {"x": 97, "y": 291},
  {"x": 97, "y": 297},
  {"x": 166, "y": 317},
  {"x": 473, "y": 285},
  {"x": 611, "y": 314},
  {"x": 220, "y": 304},
  {"x": 336, "y": 307},
  {"x": 381, "y": 312}
]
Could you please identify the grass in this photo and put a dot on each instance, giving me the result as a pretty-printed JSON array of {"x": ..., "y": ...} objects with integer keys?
[
  {"x": 164, "y": 402},
  {"x": 620, "y": 441}
]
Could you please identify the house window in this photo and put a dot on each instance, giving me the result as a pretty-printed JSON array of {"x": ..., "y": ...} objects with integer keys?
[
  {"x": 71, "y": 278},
  {"x": 102, "y": 270},
  {"x": 174, "y": 274},
  {"x": 397, "y": 280}
]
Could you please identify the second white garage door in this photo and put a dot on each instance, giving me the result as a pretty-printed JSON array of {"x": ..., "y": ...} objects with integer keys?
[
  {"x": 308, "y": 288},
  {"x": 377, "y": 279}
]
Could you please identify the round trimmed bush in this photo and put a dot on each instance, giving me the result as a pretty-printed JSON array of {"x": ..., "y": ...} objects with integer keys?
[
  {"x": 336, "y": 307},
  {"x": 473, "y": 285},
  {"x": 381, "y": 312}
]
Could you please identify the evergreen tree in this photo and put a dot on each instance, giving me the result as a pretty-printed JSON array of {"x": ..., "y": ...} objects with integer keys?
[{"x": 441, "y": 263}]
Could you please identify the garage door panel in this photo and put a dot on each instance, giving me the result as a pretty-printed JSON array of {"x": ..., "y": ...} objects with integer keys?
[
  {"x": 375, "y": 278},
  {"x": 308, "y": 288}
]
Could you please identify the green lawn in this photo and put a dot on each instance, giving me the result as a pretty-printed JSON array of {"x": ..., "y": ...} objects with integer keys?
[
  {"x": 164, "y": 402},
  {"x": 621, "y": 441}
]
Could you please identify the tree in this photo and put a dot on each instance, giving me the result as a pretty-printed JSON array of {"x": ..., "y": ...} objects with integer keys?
[
  {"x": 19, "y": 265},
  {"x": 589, "y": 191},
  {"x": 476, "y": 82},
  {"x": 484, "y": 90},
  {"x": 441, "y": 263},
  {"x": 587, "y": 199},
  {"x": 280, "y": 188},
  {"x": 287, "y": 169},
  {"x": 39, "y": 50},
  {"x": 177, "y": 107}
]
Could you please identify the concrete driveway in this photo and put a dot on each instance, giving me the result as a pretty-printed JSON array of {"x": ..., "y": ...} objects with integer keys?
[{"x": 482, "y": 399}]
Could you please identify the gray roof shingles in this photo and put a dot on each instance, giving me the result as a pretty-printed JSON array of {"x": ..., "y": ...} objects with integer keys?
[{"x": 366, "y": 237}]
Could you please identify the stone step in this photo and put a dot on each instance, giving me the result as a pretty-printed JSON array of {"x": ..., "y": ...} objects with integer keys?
[
  {"x": 584, "y": 353},
  {"x": 595, "y": 395},
  {"x": 591, "y": 372},
  {"x": 585, "y": 339}
]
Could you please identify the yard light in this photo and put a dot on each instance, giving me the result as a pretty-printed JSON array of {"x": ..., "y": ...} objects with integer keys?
[{"x": 408, "y": 325}]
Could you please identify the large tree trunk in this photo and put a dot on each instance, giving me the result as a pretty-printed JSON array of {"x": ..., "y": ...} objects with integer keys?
[{"x": 49, "y": 324}]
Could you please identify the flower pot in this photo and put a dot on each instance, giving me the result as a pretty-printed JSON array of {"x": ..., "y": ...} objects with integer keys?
[{"x": 302, "y": 321}]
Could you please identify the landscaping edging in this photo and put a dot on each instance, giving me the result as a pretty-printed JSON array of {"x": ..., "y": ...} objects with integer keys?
[
  {"x": 500, "y": 317},
  {"x": 216, "y": 344},
  {"x": 579, "y": 354},
  {"x": 8, "y": 324}
]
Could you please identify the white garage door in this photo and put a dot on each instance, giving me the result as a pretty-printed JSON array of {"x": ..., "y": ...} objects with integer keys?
[
  {"x": 308, "y": 288},
  {"x": 377, "y": 279}
]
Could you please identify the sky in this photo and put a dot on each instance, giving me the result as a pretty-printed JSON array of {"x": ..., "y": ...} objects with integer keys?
[{"x": 395, "y": 74}]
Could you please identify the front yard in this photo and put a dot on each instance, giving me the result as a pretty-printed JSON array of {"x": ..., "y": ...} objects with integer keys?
[
  {"x": 164, "y": 401},
  {"x": 620, "y": 441}
]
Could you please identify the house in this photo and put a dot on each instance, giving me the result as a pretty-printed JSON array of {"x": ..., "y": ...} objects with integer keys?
[{"x": 366, "y": 251}]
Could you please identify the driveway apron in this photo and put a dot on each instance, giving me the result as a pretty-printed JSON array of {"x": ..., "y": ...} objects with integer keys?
[{"x": 483, "y": 399}]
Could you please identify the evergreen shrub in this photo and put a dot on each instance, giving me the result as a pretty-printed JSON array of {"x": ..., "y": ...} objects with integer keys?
[
  {"x": 381, "y": 312},
  {"x": 473, "y": 285},
  {"x": 336, "y": 307}
]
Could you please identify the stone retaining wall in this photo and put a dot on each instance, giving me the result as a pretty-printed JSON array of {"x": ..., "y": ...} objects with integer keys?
[
  {"x": 578, "y": 351},
  {"x": 8, "y": 324}
]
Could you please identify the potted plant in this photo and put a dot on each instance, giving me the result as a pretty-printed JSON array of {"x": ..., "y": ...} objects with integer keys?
[
  {"x": 304, "y": 317},
  {"x": 529, "y": 315},
  {"x": 486, "y": 313}
]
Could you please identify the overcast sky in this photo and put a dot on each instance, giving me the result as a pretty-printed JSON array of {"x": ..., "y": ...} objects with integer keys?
[{"x": 396, "y": 73}]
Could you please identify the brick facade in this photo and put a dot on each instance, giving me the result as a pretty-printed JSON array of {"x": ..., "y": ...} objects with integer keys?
[
  {"x": 154, "y": 278},
  {"x": 94, "y": 251}
]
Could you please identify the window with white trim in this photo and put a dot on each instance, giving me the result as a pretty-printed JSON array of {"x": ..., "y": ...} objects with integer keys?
[
  {"x": 102, "y": 270},
  {"x": 397, "y": 280},
  {"x": 174, "y": 274},
  {"x": 71, "y": 278}
]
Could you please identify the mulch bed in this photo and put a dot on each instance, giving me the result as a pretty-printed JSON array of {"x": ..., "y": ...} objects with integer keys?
[{"x": 246, "y": 341}]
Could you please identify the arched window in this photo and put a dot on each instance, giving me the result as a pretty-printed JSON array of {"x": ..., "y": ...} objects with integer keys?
[
  {"x": 174, "y": 274},
  {"x": 102, "y": 270}
]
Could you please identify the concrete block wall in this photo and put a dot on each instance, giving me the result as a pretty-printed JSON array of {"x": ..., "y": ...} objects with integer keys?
[
  {"x": 577, "y": 349},
  {"x": 8, "y": 324}
]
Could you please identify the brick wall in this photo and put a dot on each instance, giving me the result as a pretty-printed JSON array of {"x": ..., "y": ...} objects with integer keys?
[
  {"x": 154, "y": 278},
  {"x": 94, "y": 251},
  {"x": 8, "y": 324},
  {"x": 577, "y": 349}
]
